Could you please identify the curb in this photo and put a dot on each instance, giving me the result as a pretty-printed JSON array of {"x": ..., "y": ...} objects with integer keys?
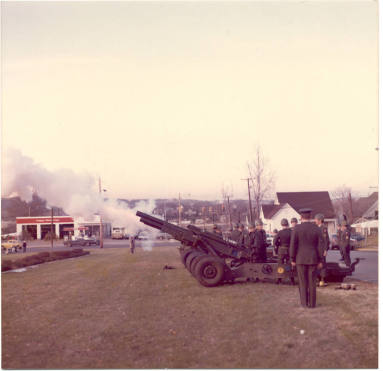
[{"x": 367, "y": 249}]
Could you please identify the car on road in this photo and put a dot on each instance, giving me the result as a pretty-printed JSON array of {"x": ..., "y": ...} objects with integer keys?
[
  {"x": 82, "y": 241},
  {"x": 269, "y": 239},
  {"x": 354, "y": 241},
  {"x": 163, "y": 236},
  {"x": 143, "y": 236}
]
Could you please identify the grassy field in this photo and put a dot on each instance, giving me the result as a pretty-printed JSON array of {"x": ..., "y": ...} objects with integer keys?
[{"x": 112, "y": 309}]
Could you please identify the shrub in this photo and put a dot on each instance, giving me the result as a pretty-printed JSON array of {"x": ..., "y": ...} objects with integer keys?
[{"x": 41, "y": 257}]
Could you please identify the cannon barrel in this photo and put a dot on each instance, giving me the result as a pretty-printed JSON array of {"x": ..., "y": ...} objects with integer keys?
[{"x": 183, "y": 235}]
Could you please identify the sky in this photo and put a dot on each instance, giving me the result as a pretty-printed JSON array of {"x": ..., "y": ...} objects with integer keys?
[{"x": 161, "y": 98}]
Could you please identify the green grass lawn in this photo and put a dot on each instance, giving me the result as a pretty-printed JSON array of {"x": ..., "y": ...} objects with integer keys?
[{"x": 112, "y": 309}]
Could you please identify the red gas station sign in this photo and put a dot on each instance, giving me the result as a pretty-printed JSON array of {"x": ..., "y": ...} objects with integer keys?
[{"x": 45, "y": 220}]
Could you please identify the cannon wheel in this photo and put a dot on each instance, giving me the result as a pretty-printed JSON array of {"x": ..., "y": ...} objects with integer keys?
[
  {"x": 209, "y": 271},
  {"x": 195, "y": 262},
  {"x": 191, "y": 257},
  {"x": 184, "y": 255}
]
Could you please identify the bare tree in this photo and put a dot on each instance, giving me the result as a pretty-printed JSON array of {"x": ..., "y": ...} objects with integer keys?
[
  {"x": 262, "y": 179},
  {"x": 344, "y": 202}
]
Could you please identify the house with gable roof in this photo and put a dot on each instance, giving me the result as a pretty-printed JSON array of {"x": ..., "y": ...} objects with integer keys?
[{"x": 287, "y": 205}]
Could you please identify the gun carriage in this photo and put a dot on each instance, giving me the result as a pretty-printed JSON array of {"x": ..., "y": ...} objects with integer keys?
[{"x": 213, "y": 260}]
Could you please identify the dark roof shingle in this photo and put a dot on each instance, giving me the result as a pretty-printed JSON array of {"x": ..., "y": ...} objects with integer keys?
[
  {"x": 319, "y": 202},
  {"x": 270, "y": 210},
  {"x": 362, "y": 205}
]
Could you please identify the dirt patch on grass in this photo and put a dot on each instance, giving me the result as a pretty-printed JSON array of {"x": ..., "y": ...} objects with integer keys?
[
  {"x": 121, "y": 310},
  {"x": 39, "y": 258}
]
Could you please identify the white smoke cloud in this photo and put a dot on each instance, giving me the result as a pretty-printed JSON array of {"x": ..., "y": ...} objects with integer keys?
[{"x": 76, "y": 193}]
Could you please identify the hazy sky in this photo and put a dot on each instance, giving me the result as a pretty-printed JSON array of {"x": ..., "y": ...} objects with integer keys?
[{"x": 167, "y": 97}]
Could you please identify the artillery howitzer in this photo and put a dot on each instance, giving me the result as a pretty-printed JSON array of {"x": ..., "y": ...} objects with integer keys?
[{"x": 213, "y": 260}]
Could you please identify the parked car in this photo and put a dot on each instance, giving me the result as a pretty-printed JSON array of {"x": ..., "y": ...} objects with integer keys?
[
  {"x": 83, "y": 241},
  {"x": 163, "y": 236},
  {"x": 357, "y": 237},
  {"x": 269, "y": 239},
  {"x": 12, "y": 245},
  {"x": 143, "y": 236},
  {"x": 334, "y": 243}
]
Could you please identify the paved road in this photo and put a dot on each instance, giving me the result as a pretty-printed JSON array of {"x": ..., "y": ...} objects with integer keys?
[{"x": 366, "y": 270}]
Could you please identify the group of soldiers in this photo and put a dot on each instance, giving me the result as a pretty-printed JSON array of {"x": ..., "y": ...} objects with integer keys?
[
  {"x": 254, "y": 238},
  {"x": 303, "y": 245}
]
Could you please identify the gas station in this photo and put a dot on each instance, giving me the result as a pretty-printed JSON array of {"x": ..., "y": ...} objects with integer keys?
[{"x": 62, "y": 226}]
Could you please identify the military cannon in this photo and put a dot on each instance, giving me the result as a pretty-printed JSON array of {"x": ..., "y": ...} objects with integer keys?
[{"x": 213, "y": 260}]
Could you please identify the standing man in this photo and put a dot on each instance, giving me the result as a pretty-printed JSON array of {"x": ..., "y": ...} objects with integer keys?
[
  {"x": 24, "y": 246},
  {"x": 234, "y": 236},
  {"x": 250, "y": 237},
  {"x": 344, "y": 243},
  {"x": 242, "y": 236},
  {"x": 282, "y": 244},
  {"x": 338, "y": 235},
  {"x": 306, "y": 254},
  {"x": 294, "y": 222},
  {"x": 319, "y": 221},
  {"x": 132, "y": 244},
  {"x": 260, "y": 241}
]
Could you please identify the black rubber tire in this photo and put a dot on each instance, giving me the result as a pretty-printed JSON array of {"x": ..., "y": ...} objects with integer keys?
[
  {"x": 185, "y": 254},
  {"x": 209, "y": 271},
  {"x": 191, "y": 258},
  {"x": 195, "y": 262}
]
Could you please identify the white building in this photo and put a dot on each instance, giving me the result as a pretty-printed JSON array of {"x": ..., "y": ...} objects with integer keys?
[
  {"x": 273, "y": 214},
  {"x": 39, "y": 226},
  {"x": 287, "y": 205}
]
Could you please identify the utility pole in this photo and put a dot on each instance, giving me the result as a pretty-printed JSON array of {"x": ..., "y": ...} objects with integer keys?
[
  {"x": 228, "y": 207},
  {"x": 350, "y": 201},
  {"x": 52, "y": 227},
  {"x": 101, "y": 229},
  {"x": 179, "y": 208},
  {"x": 250, "y": 208}
]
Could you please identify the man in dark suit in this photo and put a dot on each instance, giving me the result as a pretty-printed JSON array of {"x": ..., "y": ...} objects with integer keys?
[{"x": 306, "y": 253}]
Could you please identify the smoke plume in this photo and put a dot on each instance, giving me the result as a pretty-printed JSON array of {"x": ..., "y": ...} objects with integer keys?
[{"x": 75, "y": 193}]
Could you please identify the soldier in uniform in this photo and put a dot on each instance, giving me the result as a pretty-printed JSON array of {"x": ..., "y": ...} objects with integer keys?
[
  {"x": 338, "y": 234},
  {"x": 260, "y": 241},
  {"x": 234, "y": 236},
  {"x": 217, "y": 231},
  {"x": 282, "y": 244},
  {"x": 132, "y": 244},
  {"x": 306, "y": 248},
  {"x": 242, "y": 235},
  {"x": 344, "y": 243},
  {"x": 319, "y": 221},
  {"x": 250, "y": 237},
  {"x": 294, "y": 222}
]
